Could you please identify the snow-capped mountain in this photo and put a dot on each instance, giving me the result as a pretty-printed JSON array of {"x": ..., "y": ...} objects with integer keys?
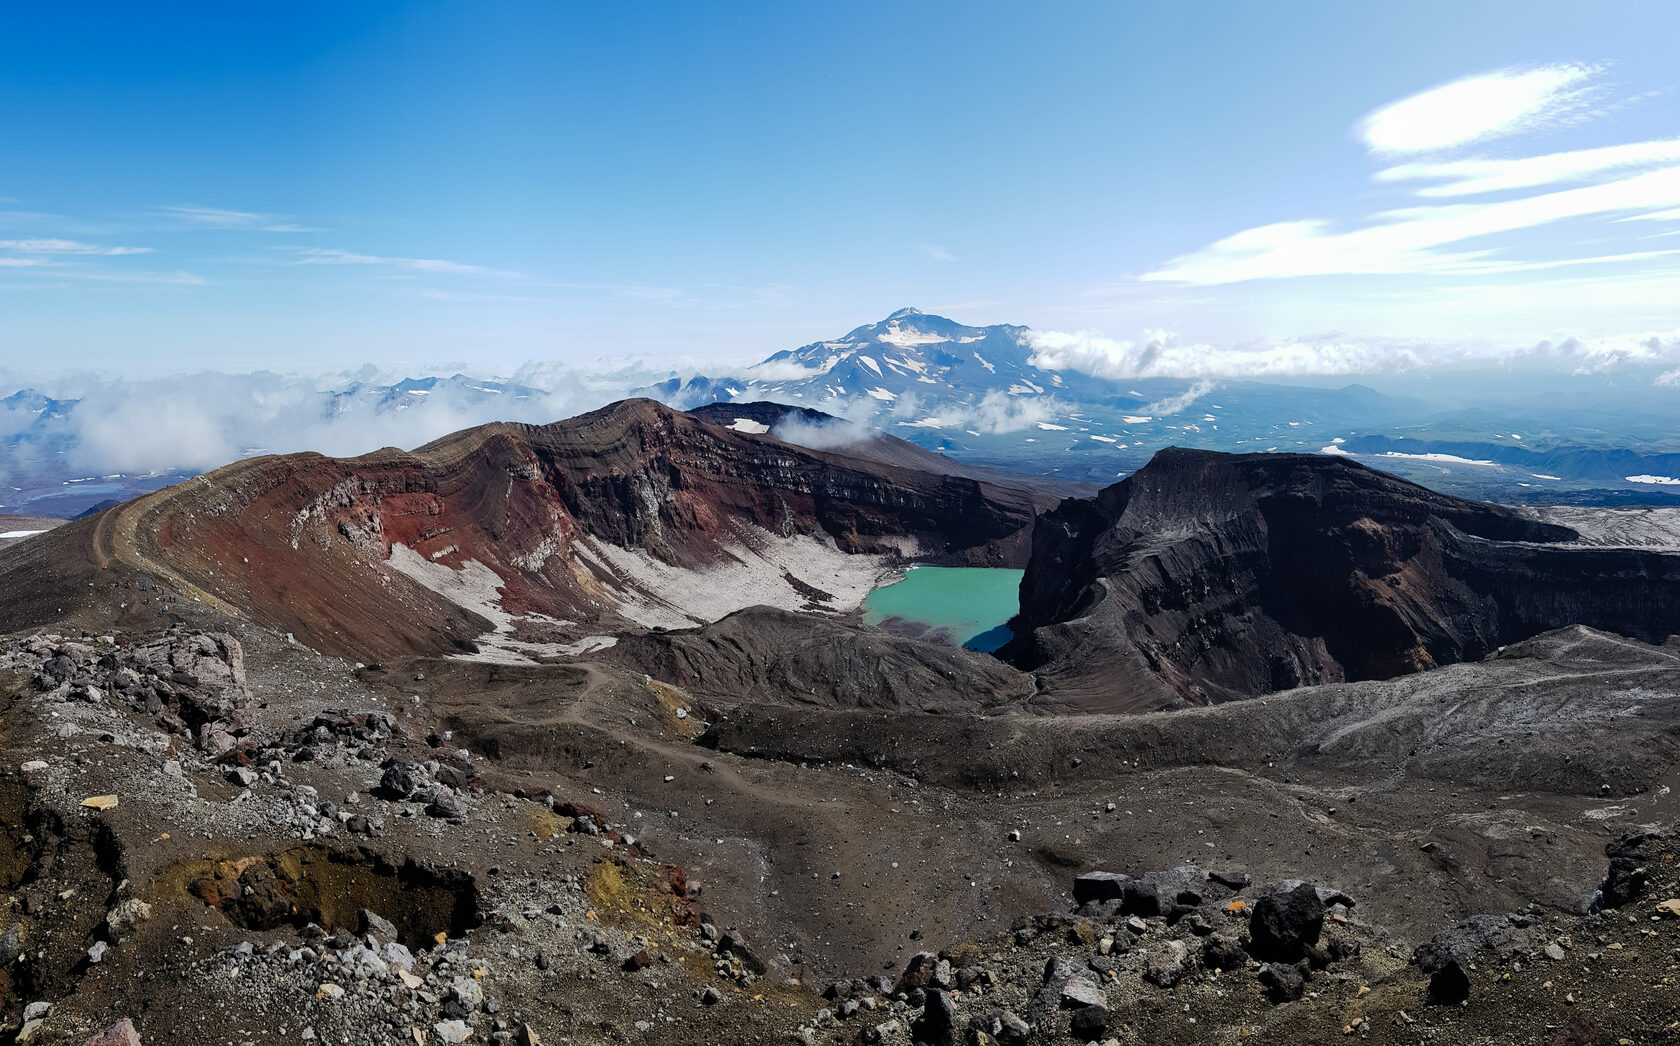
[
  {"x": 909, "y": 356},
  {"x": 410, "y": 392}
]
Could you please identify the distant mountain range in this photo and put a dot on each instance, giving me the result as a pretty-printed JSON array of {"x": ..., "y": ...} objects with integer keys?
[
  {"x": 983, "y": 396},
  {"x": 979, "y": 394}
]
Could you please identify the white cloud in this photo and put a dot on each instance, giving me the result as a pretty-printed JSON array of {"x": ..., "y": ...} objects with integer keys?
[
  {"x": 51, "y": 246},
  {"x": 1473, "y": 176},
  {"x": 995, "y": 412},
  {"x": 771, "y": 372},
  {"x": 218, "y": 218},
  {"x": 826, "y": 434},
  {"x": 999, "y": 412},
  {"x": 1173, "y": 404},
  {"x": 1161, "y": 354},
  {"x": 938, "y": 253},
  {"x": 204, "y": 420},
  {"x": 1657, "y": 216},
  {"x": 1447, "y": 236},
  {"x": 1479, "y": 108},
  {"x": 1417, "y": 239},
  {"x": 331, "y": 256}
]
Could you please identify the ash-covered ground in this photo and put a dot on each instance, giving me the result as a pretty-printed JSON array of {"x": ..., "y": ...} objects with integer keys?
[{"x": 223, "y": 837}]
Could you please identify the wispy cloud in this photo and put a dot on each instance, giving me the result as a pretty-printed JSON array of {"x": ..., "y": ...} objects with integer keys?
[
  {"x": 1472, "y": 177},
  {"x": 1658, "y": 216},
  {"x": 1171, "y": 405},
  {"x": 332, "y": 256},
  {"x": 1461, "y": 237},
  {"x": 177, "y": 278},
  {"x": 1415, "y": 239},
  {"x": 51, "y": 246},
  {"x": 218, "y": 218},
  {"x": 1450, "y": 235},
  {"x": 1481, "y": 108},
  {"x": 937, "y": 253}
]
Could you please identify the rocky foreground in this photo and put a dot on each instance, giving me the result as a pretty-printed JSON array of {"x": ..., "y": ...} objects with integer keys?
[{"x": 191, "y": 857}]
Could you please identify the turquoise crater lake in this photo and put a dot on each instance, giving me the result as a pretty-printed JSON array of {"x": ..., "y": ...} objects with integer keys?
[{"x": 971, "y": 604}]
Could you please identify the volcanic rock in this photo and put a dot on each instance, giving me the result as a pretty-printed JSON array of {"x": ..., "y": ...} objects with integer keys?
[
  {"x": 1285, "y": 925},
  {"x": 121, "y": 1033},
  {"x": 581, "y": 520},
  {"x": 1206, "y": 577}
]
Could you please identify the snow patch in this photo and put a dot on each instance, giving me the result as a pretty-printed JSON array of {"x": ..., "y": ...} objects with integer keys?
[
  {"x": 753, "y": 572},
  {"x": 1448, "y": 459},
  {"x": 757, "y": 428},
  {"x": 984, "y": 364},
  {"x": 477, "y": 588},
  {"x": 906, "y": 339}
]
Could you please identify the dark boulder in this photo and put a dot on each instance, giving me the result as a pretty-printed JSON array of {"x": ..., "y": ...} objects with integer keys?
[
  {"x": 1284, "y": 982},
  {"x": 1089, "y": 1023},
  {"x": 1099, "y": 886},
  {"x": 1449, "y": 985},
  {"x": 938, "y": 1024},
  {"x": 1285, "y": 925},
  {"x": 1222, "y": 953},
  {"x": 401, "y": 780},
  {"x": 1140, "y": 898},
  {"x": 1627, "y": 876}
]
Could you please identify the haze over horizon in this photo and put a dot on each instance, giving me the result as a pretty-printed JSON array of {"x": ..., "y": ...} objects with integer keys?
[{"x": 437, "y": 188}]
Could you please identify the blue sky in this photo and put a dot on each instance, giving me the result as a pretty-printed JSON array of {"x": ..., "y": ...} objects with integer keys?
[{"x": 310, "y": 187}]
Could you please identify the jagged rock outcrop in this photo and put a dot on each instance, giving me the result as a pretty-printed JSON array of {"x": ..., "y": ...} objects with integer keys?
[
  {"x": 1206, "y": 577},
  {"x": 192, "y": 684}
]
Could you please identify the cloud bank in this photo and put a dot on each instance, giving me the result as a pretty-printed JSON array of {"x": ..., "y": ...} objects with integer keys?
[
  {"x": 200, "y": 421},
  {"x": 1163, "y": 354},
  {"x": 822, "y": 435}
]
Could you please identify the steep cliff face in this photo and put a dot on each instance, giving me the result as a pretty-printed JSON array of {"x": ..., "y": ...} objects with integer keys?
[
  {"x": 591, "y": 523},
  {"x": 1205, "y": 577}
]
